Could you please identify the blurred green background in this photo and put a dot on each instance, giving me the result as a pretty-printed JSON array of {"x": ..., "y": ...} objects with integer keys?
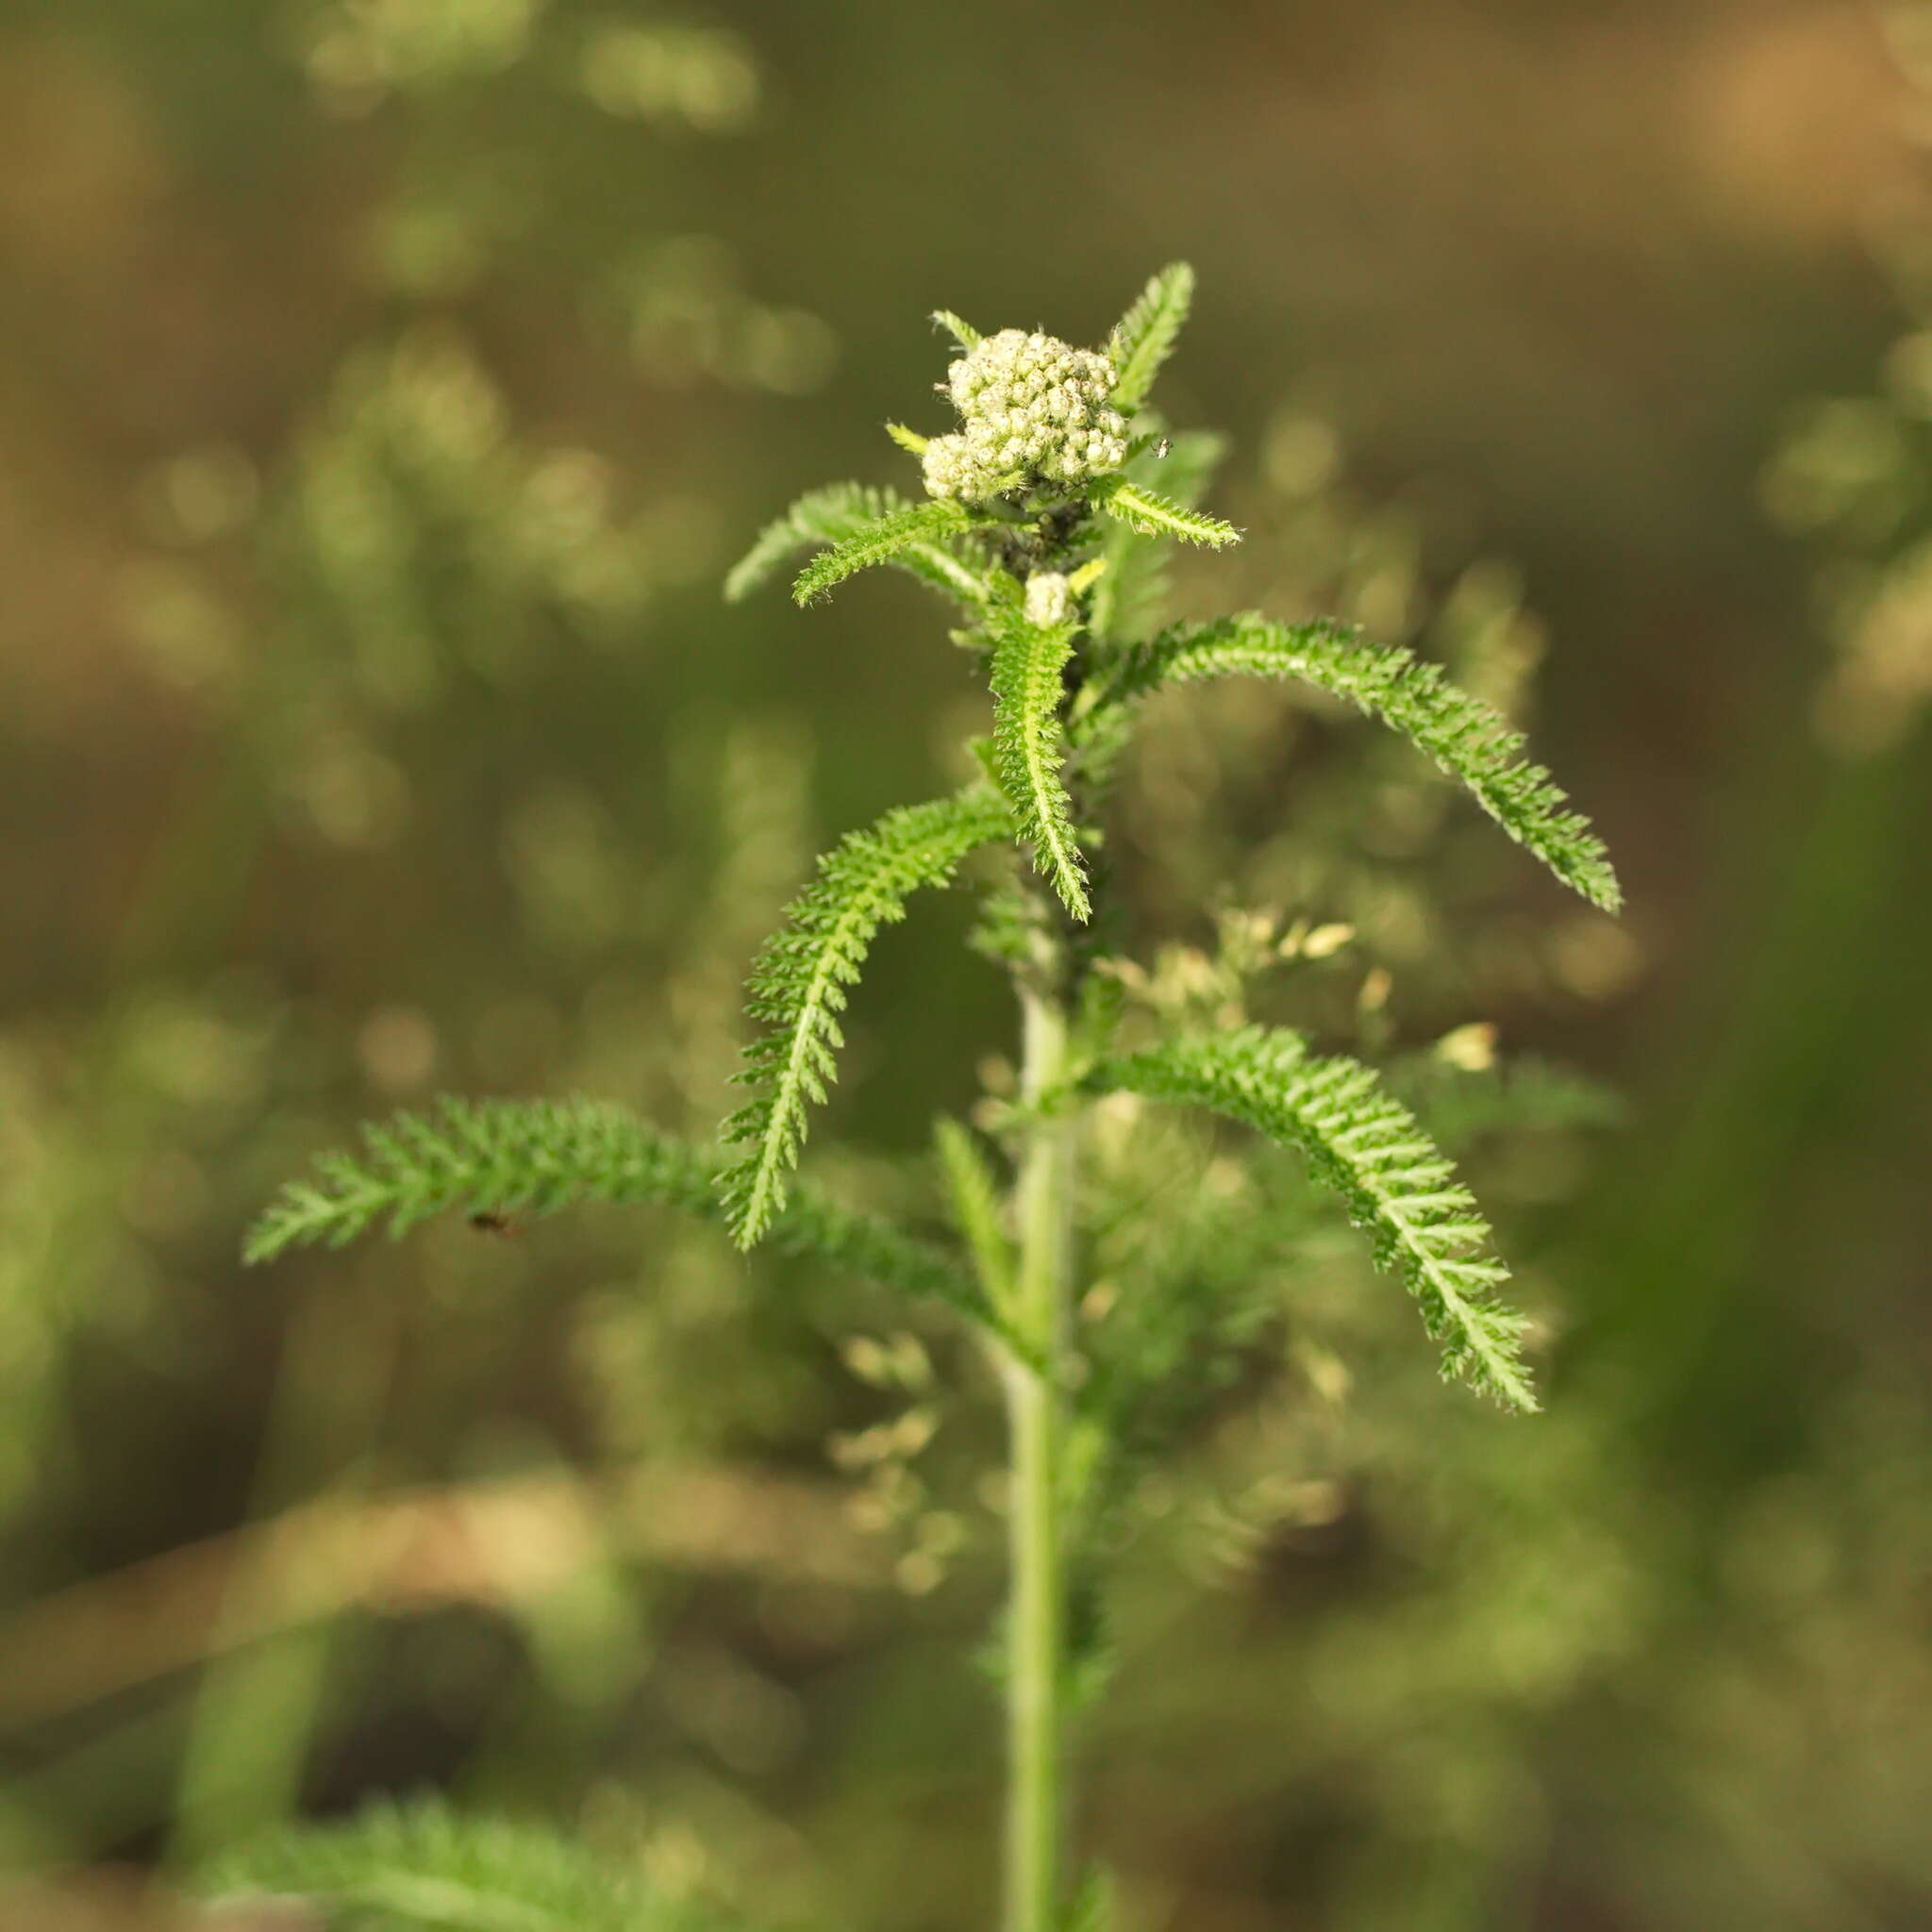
[{"x": 385, "y": 386}]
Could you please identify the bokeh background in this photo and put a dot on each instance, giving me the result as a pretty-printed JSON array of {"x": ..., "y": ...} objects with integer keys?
[{"x": 385, "y": 386}]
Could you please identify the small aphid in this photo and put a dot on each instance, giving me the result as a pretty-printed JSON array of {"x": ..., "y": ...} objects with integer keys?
[
  {"x": 1164, "y": 447},
  {"x": 490, "y": 1221}
]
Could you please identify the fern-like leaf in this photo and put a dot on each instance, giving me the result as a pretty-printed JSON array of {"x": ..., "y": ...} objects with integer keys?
[
  {"x": 499, "y": 1157},
  {"x": 798, "y": 985},
  {"x": 495, "y": 1157},
  {"x": 837, "y": 513},
  {"x": 1152, "y": 515},
  {"x": 961, "y": 332},
  {"x": 1145, "y": 336},
  {"x": 1464, "y": 738},
  {"x": 422, "y": 1867},
  {"x": 884, "y": 541},
  {"x": 1375, "y": 1155},
  {"x": 1131, "y": 592},
  {"x": 1028, "y": 661}
]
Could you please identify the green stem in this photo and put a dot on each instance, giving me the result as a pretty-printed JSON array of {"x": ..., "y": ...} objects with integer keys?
[{"x": 1037, "y": 1619}]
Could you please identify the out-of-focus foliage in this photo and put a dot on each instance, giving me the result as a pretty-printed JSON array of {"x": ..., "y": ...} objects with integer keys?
[
  {"x": 421, "y": 1868},
  {"x": 385, "y": 388},
  {"x": 1855, "y": 476},
  {"x": 406, "y": 654}
]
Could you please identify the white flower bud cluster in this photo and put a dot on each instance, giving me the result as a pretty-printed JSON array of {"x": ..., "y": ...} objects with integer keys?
[
  {"x": 1034, "y": 408},
  {"x": 1049, "y": 598}
]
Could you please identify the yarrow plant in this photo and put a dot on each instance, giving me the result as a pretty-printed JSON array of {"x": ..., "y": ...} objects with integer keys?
[{"x": 1043, "y": 524}]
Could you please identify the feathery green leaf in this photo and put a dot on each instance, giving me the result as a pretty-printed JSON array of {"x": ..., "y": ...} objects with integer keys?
[
  {"x": 842, "y": 510},
  {"x": 798, "y": 983},
  {"x": 1131, "y": 592},
  {"x": 536, "y": 1157},
  {"x": 961, "y": 332},
  {"x": 1145, "y": 336},
  {"x": 1028, "y": 747},
  {"x": 422, "y": 1867},
  {"x": 1465, "y": 738},
  {"x": 909, "y": 439},
  {"x": 1373, "y": 1152},
  {"x": 1155, "y": 516},
  {"x": 883, "y": 540},
  {"x": 480, "y": 1158}
]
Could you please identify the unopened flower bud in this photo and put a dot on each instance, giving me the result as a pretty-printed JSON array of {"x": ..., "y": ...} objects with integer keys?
[
  {"x": 1031, "y": 408},
  {"x": 1049, "y": 598}
]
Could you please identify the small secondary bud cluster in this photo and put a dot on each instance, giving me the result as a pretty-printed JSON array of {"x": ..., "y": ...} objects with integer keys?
[
  {"x": 1034, "y": 408},
  {"x": 1049, "y": 598}
]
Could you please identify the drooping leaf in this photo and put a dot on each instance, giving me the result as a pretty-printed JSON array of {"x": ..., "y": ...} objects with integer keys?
[
  {"x": 506, "y": 1160},
  {"x": 799, "y": 984},
  {"x": 887, "y": 538},
  {"x": 1464, "y": 738},
  {"x": 1369, "y": 1150},
  {"x": 837, "y": 513}
]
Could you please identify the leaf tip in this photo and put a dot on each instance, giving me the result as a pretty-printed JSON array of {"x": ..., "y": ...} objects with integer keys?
[
  {"x": 749, "y": 1205},
  {"x": 961, "y": 332}
]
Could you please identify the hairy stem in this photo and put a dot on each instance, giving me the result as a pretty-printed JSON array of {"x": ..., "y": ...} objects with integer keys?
[{"x": 1036, "y": 1620}]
